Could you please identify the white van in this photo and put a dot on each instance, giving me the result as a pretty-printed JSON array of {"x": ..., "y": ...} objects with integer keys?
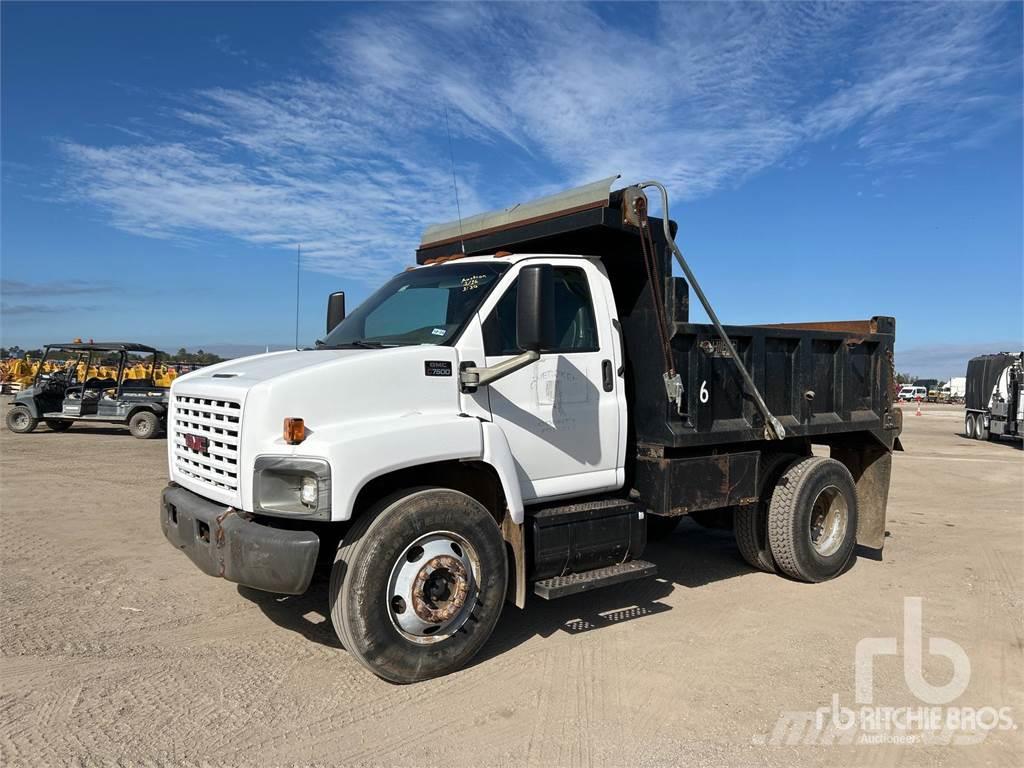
[{"x": 909, "y": 393}]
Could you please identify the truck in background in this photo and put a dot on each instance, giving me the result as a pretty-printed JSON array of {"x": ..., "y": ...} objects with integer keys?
[
  {"x": 993, "y": 396},
  {"x": 515, "y": 414}
]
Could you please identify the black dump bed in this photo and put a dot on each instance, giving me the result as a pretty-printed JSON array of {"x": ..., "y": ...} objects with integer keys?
[
  {"x": 821, "y": 380},
  {"x": 982, "y": 373}
]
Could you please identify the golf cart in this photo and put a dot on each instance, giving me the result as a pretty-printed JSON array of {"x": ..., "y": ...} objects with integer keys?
[{"x": 97, "y": 383}]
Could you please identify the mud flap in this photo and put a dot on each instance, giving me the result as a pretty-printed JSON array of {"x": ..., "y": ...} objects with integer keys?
[
  {"x": 515, "y": 543},
  {"x": 871, "y": 467}
]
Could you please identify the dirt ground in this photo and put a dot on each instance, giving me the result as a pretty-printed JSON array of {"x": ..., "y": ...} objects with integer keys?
[{"x": 115, "y": 648}]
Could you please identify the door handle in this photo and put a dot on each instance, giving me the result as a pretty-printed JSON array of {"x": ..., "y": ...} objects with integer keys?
[{"x": 607, "y": 379}]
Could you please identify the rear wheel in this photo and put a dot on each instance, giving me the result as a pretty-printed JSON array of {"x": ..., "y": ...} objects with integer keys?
[
  {"x": 20, "y": 420},
  {"x": 980, "y": 430},
  {"x": 144, "y": 425},
  {"x": 750, "y": 522},
  {"x": 969, "y": 425},
  {"x": 418, "y": 584},
  {"x": 59, "y": 425},
  {"x": 812, "y": 519}
]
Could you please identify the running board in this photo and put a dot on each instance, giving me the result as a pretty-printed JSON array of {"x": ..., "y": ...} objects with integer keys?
[
  {"x": 574, "y": 583},
  {"x": 87, "y": 417}
]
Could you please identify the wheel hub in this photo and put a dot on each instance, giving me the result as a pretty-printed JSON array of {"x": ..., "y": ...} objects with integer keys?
[
  {"x": 828, "y": 521},
  {"x": 440, "y": 589},
  {"x": 433, "y": 588}
]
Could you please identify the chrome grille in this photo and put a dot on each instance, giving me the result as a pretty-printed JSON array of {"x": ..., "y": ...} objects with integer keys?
[{"x": 218, "y": 421}]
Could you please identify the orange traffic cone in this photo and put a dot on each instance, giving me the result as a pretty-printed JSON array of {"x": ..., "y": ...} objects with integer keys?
[{"x": 918, "y": 412}]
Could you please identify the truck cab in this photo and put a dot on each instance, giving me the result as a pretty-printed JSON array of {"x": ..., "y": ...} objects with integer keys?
[
  {"x": 496, "y": 420},
  {"x": 380, "y": 393}
]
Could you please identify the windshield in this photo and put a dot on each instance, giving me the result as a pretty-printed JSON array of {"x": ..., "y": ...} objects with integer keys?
[{"x": 421, "y": 306}]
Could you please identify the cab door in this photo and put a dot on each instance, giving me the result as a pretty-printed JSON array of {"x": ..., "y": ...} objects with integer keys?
[{"x": 564, "y": 416}]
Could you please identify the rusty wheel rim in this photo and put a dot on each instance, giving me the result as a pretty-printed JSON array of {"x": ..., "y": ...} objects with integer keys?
[{"x": 433, "y": 588}]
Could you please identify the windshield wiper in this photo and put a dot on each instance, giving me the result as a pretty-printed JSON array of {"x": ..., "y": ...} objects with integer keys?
[{"x": 361, "y": 343}]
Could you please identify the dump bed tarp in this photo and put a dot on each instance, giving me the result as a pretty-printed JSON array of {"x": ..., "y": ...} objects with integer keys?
[{"x": 982, "y": 374}]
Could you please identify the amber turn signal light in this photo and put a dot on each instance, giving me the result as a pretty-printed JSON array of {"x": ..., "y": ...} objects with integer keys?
[{"x": 294, "y": 431}]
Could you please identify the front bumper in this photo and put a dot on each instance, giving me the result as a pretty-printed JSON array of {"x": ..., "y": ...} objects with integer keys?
[{"x": 226, "y": 543}]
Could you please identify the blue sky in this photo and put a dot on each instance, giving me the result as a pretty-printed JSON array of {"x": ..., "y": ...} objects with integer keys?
[{"x": 162, "y": 161}]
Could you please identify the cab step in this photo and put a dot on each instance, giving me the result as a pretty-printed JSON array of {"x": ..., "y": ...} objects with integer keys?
[{"x": 574, "y": 583}]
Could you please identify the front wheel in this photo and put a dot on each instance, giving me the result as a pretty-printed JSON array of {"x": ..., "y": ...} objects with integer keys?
[
  {"x": 20, "y": 420},
  {"x": 418, "y": 584}
]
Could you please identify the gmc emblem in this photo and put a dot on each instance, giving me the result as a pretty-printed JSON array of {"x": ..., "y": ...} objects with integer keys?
[{"x": 197, "y": 443}]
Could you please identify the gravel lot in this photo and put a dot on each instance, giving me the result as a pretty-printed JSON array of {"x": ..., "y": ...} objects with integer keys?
[{"x": 116, "y": 649}]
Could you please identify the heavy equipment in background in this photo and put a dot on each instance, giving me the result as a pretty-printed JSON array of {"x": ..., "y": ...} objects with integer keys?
[
  {"x": 99, "y": 383},
  {"x": 16, "y": 373},
  {"x": 515, "y": 415},
  {"x": 953, "y": 391},
  {"x": 993, "y": 398}
]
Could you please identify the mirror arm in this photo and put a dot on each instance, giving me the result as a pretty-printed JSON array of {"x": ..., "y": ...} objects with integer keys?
[{"x": 471, "y": 378}]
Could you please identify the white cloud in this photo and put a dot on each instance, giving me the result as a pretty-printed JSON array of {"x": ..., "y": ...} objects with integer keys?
[{"x": 352, "y": 164}]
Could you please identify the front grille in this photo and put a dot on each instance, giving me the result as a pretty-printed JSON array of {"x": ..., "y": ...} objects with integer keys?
[{"x": 218, "y": 421}]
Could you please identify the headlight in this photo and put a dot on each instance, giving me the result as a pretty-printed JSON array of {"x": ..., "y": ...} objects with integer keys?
[
  {"x": 286, "y": 485},
  {"x": 308, "y": 494}
]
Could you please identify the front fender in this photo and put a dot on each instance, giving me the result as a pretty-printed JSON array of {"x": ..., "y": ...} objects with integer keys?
[
  {"x": 498, "y": 454},
  {"x": 27, "y": 399},
  {"x": 360, "y": 452}
]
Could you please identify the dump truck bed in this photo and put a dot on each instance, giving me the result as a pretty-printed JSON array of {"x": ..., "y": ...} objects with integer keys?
[{"x": 818, "y": 381}]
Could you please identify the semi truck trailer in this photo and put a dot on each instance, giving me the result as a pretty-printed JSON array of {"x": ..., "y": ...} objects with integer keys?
[
  {"x": 993, "y": 399},
  {"x": 511, "y": 418}
]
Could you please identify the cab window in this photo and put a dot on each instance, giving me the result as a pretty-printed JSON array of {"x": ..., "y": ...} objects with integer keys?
[{"x": 575, "y": 329}]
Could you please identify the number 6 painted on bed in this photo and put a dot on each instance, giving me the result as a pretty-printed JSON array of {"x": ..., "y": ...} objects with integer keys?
[{"x": 704, "y": 395}]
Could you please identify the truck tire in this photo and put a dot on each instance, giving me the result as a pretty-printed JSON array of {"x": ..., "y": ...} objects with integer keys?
[
  {"x": 750, "y": 522},
  {"x": 981, "y": 432},
  {"x": 144, "y": 425},
  {"x": 812, "y": 519},
  {"x": 418, "y": 584},
  {"x": 20, "y": 420},
  {"x": 59, "y": 425},
  {"x": 969, "y": 425},
  {"x": 660, "y": 527}
]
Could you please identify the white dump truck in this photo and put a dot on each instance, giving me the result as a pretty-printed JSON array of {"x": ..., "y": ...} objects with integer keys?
[{"x": 514, "y": 415}]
